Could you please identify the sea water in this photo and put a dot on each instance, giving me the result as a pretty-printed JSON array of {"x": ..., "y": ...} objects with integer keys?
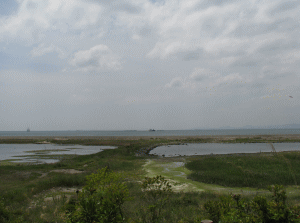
[{"x": 155, "y": 133}]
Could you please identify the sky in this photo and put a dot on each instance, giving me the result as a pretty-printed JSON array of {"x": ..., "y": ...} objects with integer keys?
[{"x": 141, "y": 64}]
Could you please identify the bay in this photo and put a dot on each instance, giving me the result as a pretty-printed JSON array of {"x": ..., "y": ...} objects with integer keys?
[{"x": 155, "y": 133}]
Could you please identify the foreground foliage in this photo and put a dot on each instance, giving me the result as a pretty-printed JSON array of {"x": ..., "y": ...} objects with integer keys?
[
  {"x": 156, "y": 192},
  {"x": 4, "y": 214},
  {"x": 101, "y": 199},
  {"x": 236, "y": 209}
]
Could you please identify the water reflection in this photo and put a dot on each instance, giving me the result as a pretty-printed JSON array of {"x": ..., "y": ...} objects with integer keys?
[
  {"x": 32, "y": 153},
  {"x": 221, "y": 148}
]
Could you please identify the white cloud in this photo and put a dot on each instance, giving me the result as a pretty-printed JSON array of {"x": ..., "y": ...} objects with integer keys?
[
  {"x": 136, "y": 37},
  {"x": 95, "y": 59},
  {"x": 290, "y": 57},
  {"x": 200, "y": 74},
  {"x": 236, "y": 27},
  {"x": 183, "y": 28},
  {"x": 42, "y": 50},
  {"x": 162, "y": 52},
  {"x": 201, "y": 77},
  {"x": 176, "y": 82},
  {"x": 165, "y": 49},
  {"x": 230, "y": 78},
  {"x": 34, "y": 18}
]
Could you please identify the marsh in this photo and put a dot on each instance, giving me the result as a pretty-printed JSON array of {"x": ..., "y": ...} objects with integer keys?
[{"x": 44, "y": 153}]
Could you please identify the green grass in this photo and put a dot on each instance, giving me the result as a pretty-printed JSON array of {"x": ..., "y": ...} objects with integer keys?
[{"x": 251, "y": 170}]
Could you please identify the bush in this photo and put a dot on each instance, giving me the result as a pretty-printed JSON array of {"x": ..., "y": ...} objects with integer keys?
[
  {"x": 156, "y": 194},
  {"x": 235, "y": 209},
  {"x": 101, "y": 199},
  {"x": 4, "y": 214}
]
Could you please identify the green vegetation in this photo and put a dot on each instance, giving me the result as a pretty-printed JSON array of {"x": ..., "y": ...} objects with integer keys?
[
  {"x": 123, "y": 141},
  {"x": 156, "y": 192},
  {"x": 101, "y": 199},
  {"x": 247, "y": 170},
  {"x": 111, "y": 185},
  {"x": 260, "y": 140},
  {"x": 236, "y": 209}
]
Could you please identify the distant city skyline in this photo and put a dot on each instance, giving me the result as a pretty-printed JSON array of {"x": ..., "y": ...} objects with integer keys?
[{"x": 174, "y": 65}]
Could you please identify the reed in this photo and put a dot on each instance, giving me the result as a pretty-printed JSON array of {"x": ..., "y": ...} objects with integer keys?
[{"x": 251, "y": 170}]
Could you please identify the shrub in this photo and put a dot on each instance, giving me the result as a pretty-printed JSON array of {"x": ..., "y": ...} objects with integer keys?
[
  {"x": 4, "y": 214},
  {"x": 100, "y": 200},
  {"x": 156, "y": 193},
  {"x": 235, "y": 209}
]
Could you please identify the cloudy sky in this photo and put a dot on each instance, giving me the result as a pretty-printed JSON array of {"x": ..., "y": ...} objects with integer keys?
[{"x": 140, "y": 64}]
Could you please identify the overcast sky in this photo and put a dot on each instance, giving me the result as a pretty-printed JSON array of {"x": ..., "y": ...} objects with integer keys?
[{"x": 140, "y": 64}]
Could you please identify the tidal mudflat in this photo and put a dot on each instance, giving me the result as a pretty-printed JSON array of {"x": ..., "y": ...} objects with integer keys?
[
  {"x": 45, "y": 153},
  {"x": 191, "y": 149}
]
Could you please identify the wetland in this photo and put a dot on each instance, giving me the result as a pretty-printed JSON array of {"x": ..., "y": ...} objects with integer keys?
[
  {"x": 43, "y": 193},
  {"x": 44, "y": 153}
]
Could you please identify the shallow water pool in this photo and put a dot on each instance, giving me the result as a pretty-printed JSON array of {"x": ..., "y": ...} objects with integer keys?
[
  {"x": 191, "y": 149},
  {"x": 35, "y": 152}
]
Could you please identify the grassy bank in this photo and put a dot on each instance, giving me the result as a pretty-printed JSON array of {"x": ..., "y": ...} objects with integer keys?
[
  {"x": 128, "y": 140},
  {"x": 40, "y": 193},
  {"x": 25, "y": 187}
]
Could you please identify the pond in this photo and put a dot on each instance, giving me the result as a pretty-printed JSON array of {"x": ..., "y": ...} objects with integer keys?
[
  {"x": 44, "y": 153},
  {"x": 191, "y": 149}
]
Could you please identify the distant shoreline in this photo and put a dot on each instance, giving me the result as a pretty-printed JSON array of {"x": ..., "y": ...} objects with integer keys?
[
  {"x": 216, "y": 137},
  {"x": 152, "y": 134}
]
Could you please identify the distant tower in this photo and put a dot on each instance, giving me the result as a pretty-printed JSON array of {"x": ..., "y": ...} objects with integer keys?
[{"x": 28, "y": 130}]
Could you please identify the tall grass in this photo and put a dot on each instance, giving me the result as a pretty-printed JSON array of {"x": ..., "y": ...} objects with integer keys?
[
  {"x": 60, "y": 180},
  {"x": 252, "y": 170}
]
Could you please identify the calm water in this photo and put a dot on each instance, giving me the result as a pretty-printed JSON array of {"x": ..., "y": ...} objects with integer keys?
[
  {"x": 24, "y": 152},
  {"x": 155, "y": 133},
  {"x": 221, "y": 148}
]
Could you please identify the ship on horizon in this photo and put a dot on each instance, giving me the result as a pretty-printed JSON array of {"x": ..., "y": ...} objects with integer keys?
[{"x": 28, "y": 129}]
